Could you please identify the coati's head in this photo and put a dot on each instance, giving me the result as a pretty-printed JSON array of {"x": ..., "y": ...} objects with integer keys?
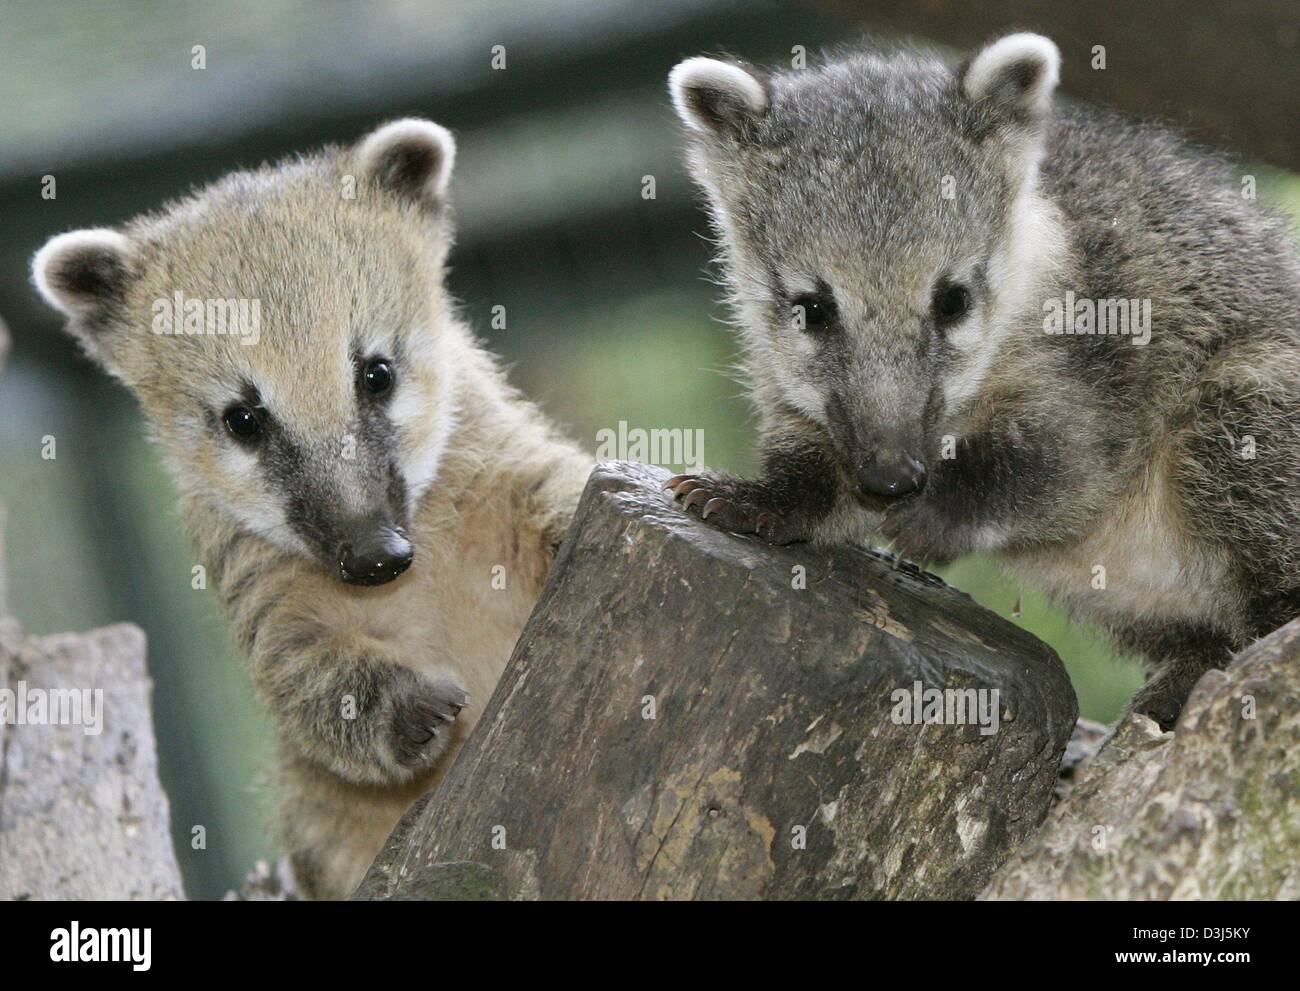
[
  {"x": 879, "y": 224},
  {"x": 286, "y": 332}
]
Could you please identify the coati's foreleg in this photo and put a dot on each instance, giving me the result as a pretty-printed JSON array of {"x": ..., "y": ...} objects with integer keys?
[
  {"x": 345, "y": 702},
  {"x": 1001, "y": 487},
  {"x": 343, "y": 697},
  {"x": 798, "y": 488},
  {"x": 1178, "y": 655}
]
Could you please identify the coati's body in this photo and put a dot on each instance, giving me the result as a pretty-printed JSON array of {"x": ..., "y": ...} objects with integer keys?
[
  {"x": 485, "y": 534},
  {"x": 928, "y": 216},
  {"x": 377, "y": 536}
]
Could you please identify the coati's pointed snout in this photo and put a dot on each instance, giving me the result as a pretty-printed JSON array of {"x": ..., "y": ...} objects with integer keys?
[
  {"x": 890, "y": 475},
  {"x": 376, "y": 554}
]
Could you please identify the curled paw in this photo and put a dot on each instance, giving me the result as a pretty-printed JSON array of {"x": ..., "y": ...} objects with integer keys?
[
  {"x": 918, "y": 533},
  {"x": 422, "y": 717},
  {"x": 1162, "y": 698}
]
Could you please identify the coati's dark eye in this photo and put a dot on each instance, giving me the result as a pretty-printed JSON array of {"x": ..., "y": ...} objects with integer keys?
[
  {"x": 951, "y": 303},
  {"x": 812, "y": 311},
  {"x": 377, "y": 377},
  {"x": 243, "y": 423}
]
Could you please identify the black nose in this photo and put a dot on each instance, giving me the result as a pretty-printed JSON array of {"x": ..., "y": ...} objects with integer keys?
[
  {"x": 378, "y": 554},
  {"x": 891, "y": 475}
]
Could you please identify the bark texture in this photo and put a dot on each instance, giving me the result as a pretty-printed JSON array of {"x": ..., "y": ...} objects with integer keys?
[{"x": 1211, "y": 810}]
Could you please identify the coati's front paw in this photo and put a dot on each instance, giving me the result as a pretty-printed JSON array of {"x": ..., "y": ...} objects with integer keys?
[
  {"x": 918, "y": 532},
  {"x": 423, "y": 710},
  {"x": 1163, "y": 696},
  {"x": 734, "y": 505}
]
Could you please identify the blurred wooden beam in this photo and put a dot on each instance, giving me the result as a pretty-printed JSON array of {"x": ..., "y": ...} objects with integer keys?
[{"x": 1228, "y": 73}]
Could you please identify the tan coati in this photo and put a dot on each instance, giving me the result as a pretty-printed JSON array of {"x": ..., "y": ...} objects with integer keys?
[
  {"x": 919, "y": 257},
  {"x": 376, "y": 507}
]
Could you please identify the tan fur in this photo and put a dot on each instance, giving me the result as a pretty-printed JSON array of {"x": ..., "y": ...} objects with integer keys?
[
  {"x": 491, "y": 484},
  {"x": 505, "y": 492}
]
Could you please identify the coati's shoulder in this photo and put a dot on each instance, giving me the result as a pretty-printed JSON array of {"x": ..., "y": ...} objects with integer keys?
[
  {"x": 1156, "y": 220},
  {"x": 1154, "y": 189}
]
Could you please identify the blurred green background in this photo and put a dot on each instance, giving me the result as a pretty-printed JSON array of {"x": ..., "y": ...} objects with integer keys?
[{"x": 610, "y": 314}]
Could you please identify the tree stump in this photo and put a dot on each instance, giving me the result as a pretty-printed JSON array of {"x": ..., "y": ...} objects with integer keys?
[
  {"x": 694, "y": 715},
  {"x": 82, "y": 815},
  {"x": 1211, "y": 810},
  {"x": 82, "y": 812}
]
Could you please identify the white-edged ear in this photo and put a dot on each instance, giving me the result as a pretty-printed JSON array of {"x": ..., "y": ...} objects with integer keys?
[
  {"x": 1017, "y": 74},
  {"x": 412, "y": 157},
  {"x": 81, "y": 272},
  {"x": 716, "y": 97}
]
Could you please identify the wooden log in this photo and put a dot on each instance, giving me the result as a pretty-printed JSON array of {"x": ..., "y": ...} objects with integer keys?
[
  {"x": 1211, "y": 810},
  {"x": 693, "y": 715}
]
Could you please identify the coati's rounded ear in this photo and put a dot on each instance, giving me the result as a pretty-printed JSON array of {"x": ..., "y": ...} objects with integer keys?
[
  {"x": 82, "y": 272},
  {"x": 411, "y": 157},
  {"x": 1016, "y": 74},
  {"x": 716, "y": 97}
]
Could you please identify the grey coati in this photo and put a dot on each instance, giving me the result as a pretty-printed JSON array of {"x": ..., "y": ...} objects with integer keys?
[
  {"x": 925, "y": 265},
  {"x": 376, "y": 508}
]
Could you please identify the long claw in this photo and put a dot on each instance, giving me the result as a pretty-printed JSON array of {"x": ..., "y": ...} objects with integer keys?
[
  {"x": 676, "y": 480},
  {"x": 696, "y": 496},
  {"x": 715, "y": 505}
]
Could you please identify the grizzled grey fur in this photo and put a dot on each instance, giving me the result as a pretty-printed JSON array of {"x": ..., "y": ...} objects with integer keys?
[{"x": 894, "y": 232}]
